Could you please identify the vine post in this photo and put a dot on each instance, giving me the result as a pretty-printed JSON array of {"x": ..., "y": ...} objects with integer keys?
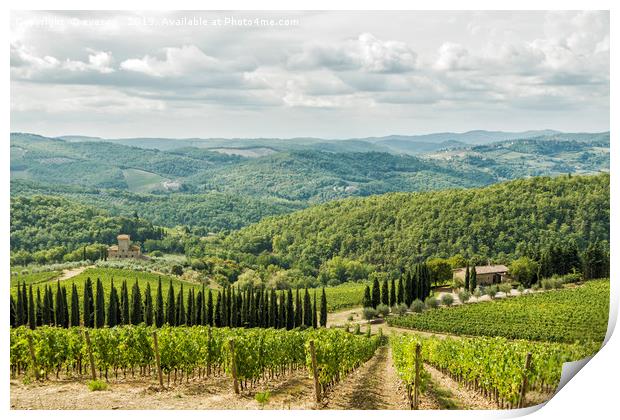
[
  {"x": 157, "y": 360},
  {"x": 315, "y": 374},
  {"x": 528, "y": 360},
  {"x": 416, "y": 390},
  {"x": 90, "y": 354},
  {"x": 33, "y": 358},
  {"x": 231, "y": 343}
]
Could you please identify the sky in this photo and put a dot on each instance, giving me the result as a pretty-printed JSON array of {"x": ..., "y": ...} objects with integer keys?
[{"x": 307, "y": 74}]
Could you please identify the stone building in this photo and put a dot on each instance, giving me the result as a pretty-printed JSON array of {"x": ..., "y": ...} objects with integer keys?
[
  {"x": 124, "y": 249},
  {"x": 485, "y": 274}
]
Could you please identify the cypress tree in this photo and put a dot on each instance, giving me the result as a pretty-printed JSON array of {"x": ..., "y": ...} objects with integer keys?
[
  {"x": 282, "y": 310},
  {"x": 239, "y": 305},
  {"x": 408, "y": 289},
  {"x": 19, "y": 313},
  {"x": 45, "y": 319},
  {"x": 400, "y": 295},
  {"x": 160, "y": 311},
  {"x": 273, "y": 309},
  {"x": 233, "y": 308},
  {"x": 218, "y": 310},
  {"x": 376, "y": 293},
  {"x": 65, "y": 308},
  {"x": 75, "y": 307},
  {"x": 392, "y": 293},
  {"x": 13, "y": 310},
  {"x": 367, "y": 301},
  {"x": 324, "y": 308},
  {"x": 89, "y": 304},
  {"x": 32, "y": 320},
  {"x": 298, "y": 310},
  {"x": 39, "y": 314},
  {"x": 171, "y": 312},
  {"x": 290, "y": 312},
  {"x": 137, "y": 315},
  {"x": 473, "y": 282},
  {"x": 199, "y": 307},
  {"x": 467, "y": 277},
  {"x": 148, "y": 305},
  {"x": 224, "y": 308},
  {"x": 315, "y": 322},
  {"x": 385, "y": 294},
  {"x": 181, "y": 314},
  {"x": 113, "y": 304},
  {"x": 190, "y": 309},
  {"x": 210, "y": 308},
  {"x": 307, "y": 316},
  {"x": 59, "y": 309},
  {"x": 125, "y": 320},
  {"x": 25, "y": 304},
  {"x": 99, "y": 306}
]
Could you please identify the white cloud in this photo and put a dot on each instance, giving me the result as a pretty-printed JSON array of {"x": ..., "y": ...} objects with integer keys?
[
  {"x": 180, "y": 61},
  {"x": 453, "y": 56}
]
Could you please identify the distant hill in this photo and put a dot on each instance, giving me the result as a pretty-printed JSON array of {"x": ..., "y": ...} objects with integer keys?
[{"x": 393, "y": 231}]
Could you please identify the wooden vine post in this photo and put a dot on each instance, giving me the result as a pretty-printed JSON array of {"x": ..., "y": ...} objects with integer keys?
[
  {"x": 158, "y": 360},
  {"x": 528, "y": 360},
  {"x": 416, "y": 390},
  {"x": 90, "y": 355},
  {"x": 233, "y": 367},
  {"x": 33, "y": 358},
  {"x": 315, "y": 372}
]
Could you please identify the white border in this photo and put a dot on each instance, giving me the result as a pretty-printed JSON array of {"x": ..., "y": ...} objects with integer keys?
[{"x": 592, "y": 394}]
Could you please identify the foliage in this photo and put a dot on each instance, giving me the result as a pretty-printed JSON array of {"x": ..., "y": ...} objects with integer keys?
[
  {"x": 567, "y": 315},
  {"x": 97, "y": 385},
  {"x": 524, "y": 270}
]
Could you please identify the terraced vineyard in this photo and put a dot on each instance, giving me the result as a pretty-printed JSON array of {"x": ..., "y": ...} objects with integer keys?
[{"x": 567, "y": 315}]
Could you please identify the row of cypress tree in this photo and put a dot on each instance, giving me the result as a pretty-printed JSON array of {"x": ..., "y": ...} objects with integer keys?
[
  {"x": 230, "y": 307},
  {"x": 412, "y": 285}
]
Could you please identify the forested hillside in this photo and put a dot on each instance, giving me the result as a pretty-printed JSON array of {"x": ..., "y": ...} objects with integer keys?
[
  {"x": 394, "y": 231},
  {"x": 42, "y": 223}
]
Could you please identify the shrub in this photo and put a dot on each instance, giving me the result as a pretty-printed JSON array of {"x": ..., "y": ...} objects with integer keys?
[
  {"x": 492, "y": 291},
  {"x": 431, "y": 302},
  {"x": 520, "y": 289},
  {"x": 177, "y": 270},
  {"x": 370, "y": 313},
  {"x": 505, "y": 288},
  {"x": 350, "y": 318},
  {"x": 572, "y": 278},
  {"x": 97, "y": 385},
  {"x": 400, "y": 309},
  {"x": 356, "y": 330},
  {"x": 477, "y": 293},
  {"x": 157, "y": 254},
  {"x": 417, "y": 306},
  {"x": 383, "y": 310},
  {"x": 447, "y": 299},
  {"x": 464, "y": 296}
]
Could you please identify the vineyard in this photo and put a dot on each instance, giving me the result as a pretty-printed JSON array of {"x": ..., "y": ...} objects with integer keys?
[
  {"x": 567, "y": 315},
  {"x": 250, "y": 355},
  {"x": 494, "y": 367}
]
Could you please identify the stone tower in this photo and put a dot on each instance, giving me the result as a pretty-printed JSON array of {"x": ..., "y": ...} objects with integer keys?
[{"x": 123, "y": 243}]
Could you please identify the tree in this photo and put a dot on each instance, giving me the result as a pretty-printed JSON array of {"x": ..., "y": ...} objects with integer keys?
[
  {"x": 210, "y": 309},
  {"x": 385, "y": 294},
  {"x": 367, "y": 301},
  {"x": 60, "y": 312},
  {"x": 273, "y": 309},
  {"x": 323, "y": 320},
  {"x": 595, "y": 261},
  {"x": 99, "y": 305},
  {"x": 171, "y": 312},
  {"x": 307, "y": 315},
  {"x": 400, "y": 295},
  {"x": 218, "y": 310},
  {"x": 160, "y": 312},
  {"x": 113, "y": 306},
  {"x": 376, "y": 294},
  {"x": 32, "y": 321},
  {"x": 467, "y": 285},
  {"x": 88, "y": 304},
  {"x": 181, "y": 314},
  {"x": 392, "y": 301},
  {"x": 148, "y": 305},
  {"x": 290, "y": 312},
  {"x": 524, "y": 270},
  {"x": 13, "y": 310},
  {"x": 315, "y": 322},
  {"x": 473, "y": 281},
  {"x": 440, "y": 270},
  {"x": 125, "y": 320},
  {"x": 299, "y": 316},
  {"x": 39, "y": 313},
  {"x": 137, "y": 316}
]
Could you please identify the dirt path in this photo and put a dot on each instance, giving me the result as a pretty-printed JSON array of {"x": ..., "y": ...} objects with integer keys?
[
  {"x": 373, "y": 386},
  {"x": 72, "y": 272},
  {"x": 292, "y": 392},
  {"x": 463, "y": 398}
]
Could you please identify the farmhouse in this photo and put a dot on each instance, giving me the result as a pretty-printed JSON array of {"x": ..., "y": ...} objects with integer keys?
[
  {"x": 485, "y": 274},
  {"x": 124, "y": 249}
]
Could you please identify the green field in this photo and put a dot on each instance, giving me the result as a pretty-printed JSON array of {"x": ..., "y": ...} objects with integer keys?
[
  {"x": 566, "y": 315},
  {"x": 142, "y": 181},
  {"x": 33, "y": 278},
  {"x": 347, "y": 295}
]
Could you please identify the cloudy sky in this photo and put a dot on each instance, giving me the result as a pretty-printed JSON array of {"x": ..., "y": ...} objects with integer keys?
[{"x": 293, "y": 74}]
